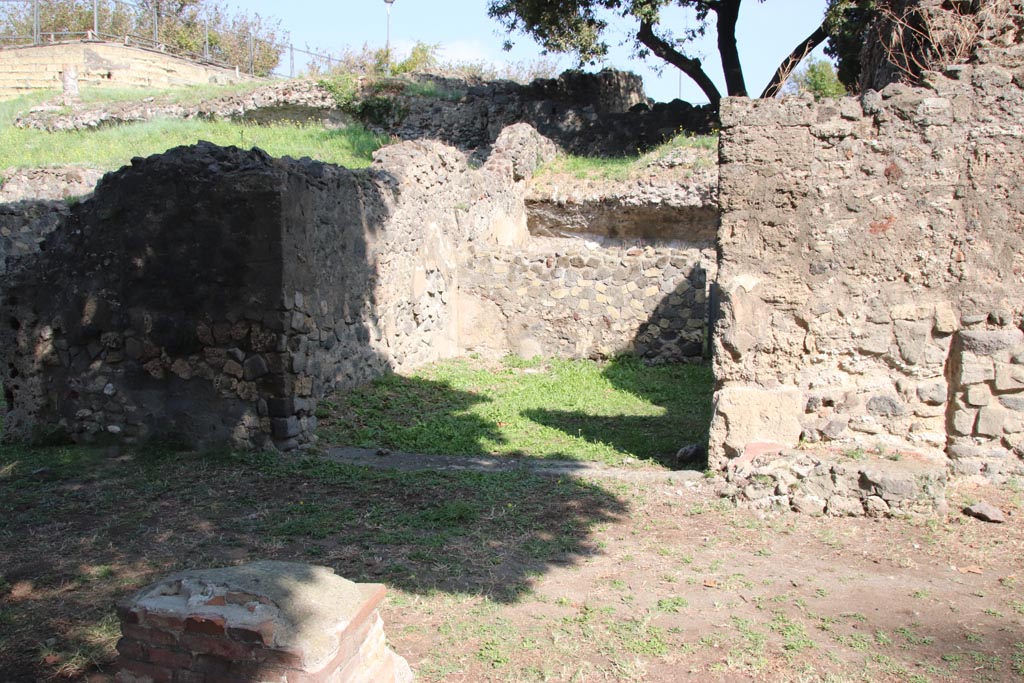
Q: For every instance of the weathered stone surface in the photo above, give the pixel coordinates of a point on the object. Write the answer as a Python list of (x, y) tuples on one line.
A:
[(991, 342), (519, 299), (885, 406), (814, 481), (308, 622), (745, 415), (986, 512), (844, 261), (233, 281)]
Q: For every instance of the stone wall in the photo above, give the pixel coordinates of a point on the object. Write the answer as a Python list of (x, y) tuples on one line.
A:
[(572, 298), (602, 114), (871, 272), (294, 101), (24, 225), (211, 295), (24, 69)]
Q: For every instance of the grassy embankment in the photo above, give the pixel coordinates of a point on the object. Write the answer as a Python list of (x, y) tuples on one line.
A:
[(111, 147)]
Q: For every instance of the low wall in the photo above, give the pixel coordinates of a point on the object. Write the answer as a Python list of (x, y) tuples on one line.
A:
[(24, 69), (871, 272), (562, 298)]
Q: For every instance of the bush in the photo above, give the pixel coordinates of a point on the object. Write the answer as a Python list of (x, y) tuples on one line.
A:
[(819, 78)]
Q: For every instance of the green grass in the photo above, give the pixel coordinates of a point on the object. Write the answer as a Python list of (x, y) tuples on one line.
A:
[(114, 146), (193, 94), (621, 168), (575, 409)]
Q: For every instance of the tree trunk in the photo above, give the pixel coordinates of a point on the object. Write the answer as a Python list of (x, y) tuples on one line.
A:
[(728, 12), (688, 65)]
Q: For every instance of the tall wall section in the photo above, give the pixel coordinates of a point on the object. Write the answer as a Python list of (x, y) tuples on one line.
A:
[(871, 271), (212, 295), (100, 65)]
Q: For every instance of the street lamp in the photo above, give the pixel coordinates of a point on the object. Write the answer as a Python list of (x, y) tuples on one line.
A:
[(387, 45)]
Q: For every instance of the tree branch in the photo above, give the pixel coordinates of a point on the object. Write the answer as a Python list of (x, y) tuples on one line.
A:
[(795, 57), (688, 65)]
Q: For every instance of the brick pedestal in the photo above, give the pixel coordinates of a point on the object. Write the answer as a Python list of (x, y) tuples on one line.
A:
[(265, 622)]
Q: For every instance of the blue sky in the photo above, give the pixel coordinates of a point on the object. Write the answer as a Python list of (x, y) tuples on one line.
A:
[(766, 33)]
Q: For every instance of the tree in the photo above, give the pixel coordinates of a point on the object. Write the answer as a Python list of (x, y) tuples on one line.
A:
[(818, 77), (182, 26), (577, 26), (847, 24)]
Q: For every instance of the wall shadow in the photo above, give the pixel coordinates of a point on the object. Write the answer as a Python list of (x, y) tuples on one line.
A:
[(678, 437), (85, 528), (682, 386)]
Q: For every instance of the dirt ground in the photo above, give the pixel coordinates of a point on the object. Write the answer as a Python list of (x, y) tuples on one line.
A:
[(682, 588), (509, 576)]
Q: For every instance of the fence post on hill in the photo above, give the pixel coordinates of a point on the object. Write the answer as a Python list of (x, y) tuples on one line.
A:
[(37, 37), (95, 17)]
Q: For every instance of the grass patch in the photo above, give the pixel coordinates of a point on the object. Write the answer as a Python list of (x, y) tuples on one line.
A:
[(574, 409), (114, 146), (622, 168), (189, 95)]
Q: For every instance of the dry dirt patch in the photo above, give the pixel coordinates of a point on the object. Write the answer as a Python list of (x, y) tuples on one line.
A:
[(510, 576)]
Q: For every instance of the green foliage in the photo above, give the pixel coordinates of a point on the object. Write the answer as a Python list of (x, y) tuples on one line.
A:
[(344, 88), (818, 77), (422, 57), (182, 26), (621, 168), (847, 23), (431, 90)]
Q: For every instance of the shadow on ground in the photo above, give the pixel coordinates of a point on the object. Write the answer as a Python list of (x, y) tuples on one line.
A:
[(684, 392), (86, 528), (637, 411)]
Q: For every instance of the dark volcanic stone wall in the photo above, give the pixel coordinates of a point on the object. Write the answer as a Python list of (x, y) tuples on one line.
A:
[(212, 295)]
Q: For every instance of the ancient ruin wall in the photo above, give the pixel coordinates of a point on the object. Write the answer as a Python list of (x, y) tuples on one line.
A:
[(212, 295), (871, 271), (572, 299)]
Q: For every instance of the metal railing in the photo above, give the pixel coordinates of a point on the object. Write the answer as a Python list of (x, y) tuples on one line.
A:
[(41, 36)]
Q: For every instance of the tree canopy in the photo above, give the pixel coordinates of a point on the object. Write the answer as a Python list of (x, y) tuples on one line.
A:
[(579, 27)]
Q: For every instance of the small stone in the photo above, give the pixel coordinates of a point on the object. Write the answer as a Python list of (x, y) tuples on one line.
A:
[(876, 506), (933, 393), (834, 429), (807, 505), (885, 406), (986, 512), (285, 427), (232, 368), (979, 395), (254, 367)]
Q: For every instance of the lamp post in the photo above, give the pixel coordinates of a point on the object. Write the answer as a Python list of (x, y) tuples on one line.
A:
[(387, 44)]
